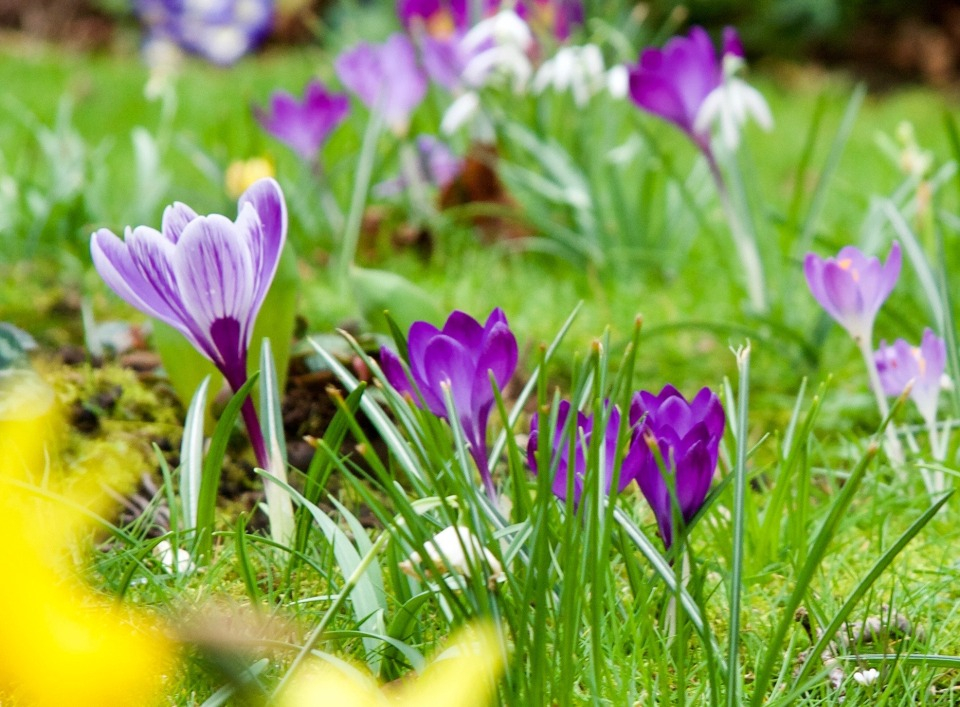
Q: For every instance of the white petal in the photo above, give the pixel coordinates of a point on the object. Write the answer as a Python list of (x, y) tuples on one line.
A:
[(459, 112), (618, 81)]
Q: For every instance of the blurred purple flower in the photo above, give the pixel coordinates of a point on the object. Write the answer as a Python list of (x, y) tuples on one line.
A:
[(583, 431), (386, 77), (221, 31), (205, 276), (304, 125), (923, 366), (460, 357), (556, 17), (852, 287), (687, 436), (675, 82), (437, 18), (437, 165)]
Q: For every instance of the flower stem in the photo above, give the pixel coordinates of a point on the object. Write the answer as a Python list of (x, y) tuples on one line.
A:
[(742, 239), (893, 446)]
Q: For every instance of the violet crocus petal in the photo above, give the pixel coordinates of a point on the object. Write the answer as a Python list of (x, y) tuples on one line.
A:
[(442, 166), (304, 125), (214, 269), (265, 227), (654, 488), (385, 77), (395, 373), (443, 60), (657, 95), (175, 219), (694, 482), (731, 43), (498, 354), (675, 413), (114, 262), (465, 329), (451, 365)]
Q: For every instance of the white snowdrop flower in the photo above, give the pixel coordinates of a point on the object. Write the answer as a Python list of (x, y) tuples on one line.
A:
[(577, 69), (618, 81), (866, 677), (503, 61), (173, 559), (497, 49), (730, 105), (504, 28), (455, 550), (459, 112)]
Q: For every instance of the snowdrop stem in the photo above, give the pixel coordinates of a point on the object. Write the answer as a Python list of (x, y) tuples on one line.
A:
[(331, 209), (893, 446), (745, 244), (412, 173)]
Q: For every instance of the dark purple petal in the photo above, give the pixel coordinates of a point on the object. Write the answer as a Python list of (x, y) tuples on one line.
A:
[(395, 374), (731, 43), (464, 329)]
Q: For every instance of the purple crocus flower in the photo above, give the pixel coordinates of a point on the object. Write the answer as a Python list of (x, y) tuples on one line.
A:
[(221, 31), (386, 77), (583, 431), (437, 18), (923, 366), (437, 166), (852, 287), (304, 125), (687, 436), (674, 82), (557, 17), (205, 276), (461, 357)]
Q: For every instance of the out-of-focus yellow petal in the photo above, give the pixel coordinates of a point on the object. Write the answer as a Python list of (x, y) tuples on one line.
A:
[(463, 675), (243, 173), (60, 642), (322, 683)]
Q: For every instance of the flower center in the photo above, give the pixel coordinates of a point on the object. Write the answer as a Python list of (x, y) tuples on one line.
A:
[(847, 264), (440, 25), (921, 361)]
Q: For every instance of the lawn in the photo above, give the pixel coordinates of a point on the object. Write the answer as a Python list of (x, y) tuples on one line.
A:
[(620, 262)]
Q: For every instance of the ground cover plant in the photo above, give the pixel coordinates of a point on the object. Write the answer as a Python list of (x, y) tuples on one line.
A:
[(517, 354)]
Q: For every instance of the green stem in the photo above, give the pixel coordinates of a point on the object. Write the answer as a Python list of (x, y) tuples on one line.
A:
[(893, 447)]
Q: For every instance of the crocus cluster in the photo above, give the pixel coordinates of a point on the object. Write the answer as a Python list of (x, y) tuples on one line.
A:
[(686, 84), (221, 31), (458, 361), (304, 125), (672, 451), (851, 288)]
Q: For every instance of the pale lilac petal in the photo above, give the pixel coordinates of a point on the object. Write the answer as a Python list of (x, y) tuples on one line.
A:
[(215, 273), (266, 230), (175, 219)]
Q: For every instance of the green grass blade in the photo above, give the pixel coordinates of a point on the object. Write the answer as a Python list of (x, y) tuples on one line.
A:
[(739, 513)]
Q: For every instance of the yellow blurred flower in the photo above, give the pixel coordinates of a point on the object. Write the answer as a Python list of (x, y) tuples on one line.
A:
[(61, 643), (463, 675), (243, 173)]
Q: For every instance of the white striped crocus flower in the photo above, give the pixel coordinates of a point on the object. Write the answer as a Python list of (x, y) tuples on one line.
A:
[(206, 276)]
